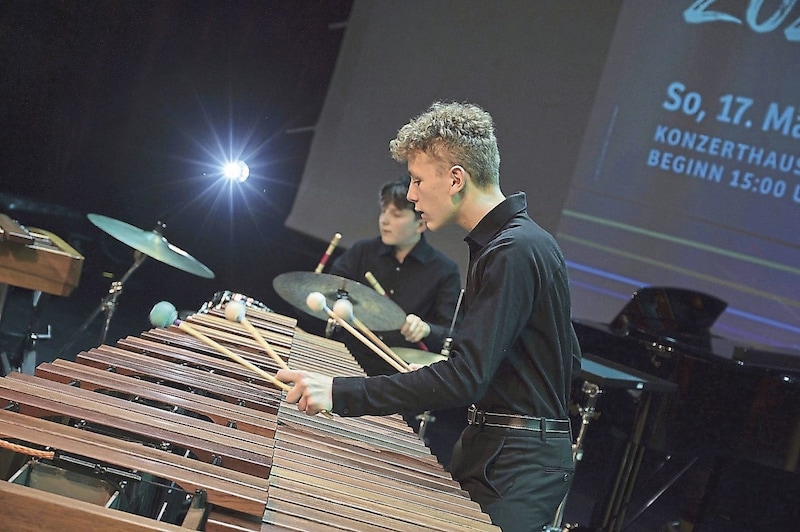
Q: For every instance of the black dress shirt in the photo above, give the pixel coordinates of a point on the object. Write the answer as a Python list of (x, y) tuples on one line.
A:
[(515, 350)]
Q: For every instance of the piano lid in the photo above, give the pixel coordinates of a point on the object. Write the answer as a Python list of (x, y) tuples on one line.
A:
[(669, 311)]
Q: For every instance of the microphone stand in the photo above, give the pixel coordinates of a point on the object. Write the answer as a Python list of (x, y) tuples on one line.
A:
[(108, 304), (592, 392)]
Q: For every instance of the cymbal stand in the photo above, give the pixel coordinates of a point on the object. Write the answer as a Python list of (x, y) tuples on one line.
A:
[(108, 304), (592, 392), (23, 357), (424, 419)]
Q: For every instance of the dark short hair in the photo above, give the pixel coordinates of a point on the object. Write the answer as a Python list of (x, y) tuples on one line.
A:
[(396, 192)]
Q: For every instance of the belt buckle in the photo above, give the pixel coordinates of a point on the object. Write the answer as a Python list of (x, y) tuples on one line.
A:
[(475, 416)]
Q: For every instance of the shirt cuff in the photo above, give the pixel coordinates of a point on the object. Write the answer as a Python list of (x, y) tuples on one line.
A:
[(349, 396)]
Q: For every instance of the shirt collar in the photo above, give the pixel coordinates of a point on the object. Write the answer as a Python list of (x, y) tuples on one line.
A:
[(495, 219), (422, 252)]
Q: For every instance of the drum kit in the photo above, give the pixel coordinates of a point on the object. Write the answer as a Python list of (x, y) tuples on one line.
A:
[(373, 310)]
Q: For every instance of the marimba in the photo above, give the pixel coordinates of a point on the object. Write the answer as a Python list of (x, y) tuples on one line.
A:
[(163, 432)]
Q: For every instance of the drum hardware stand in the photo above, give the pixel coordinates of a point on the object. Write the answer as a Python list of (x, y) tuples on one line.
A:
[(108, 304), (27, 349), (29, 353), (587, 412), (3, 296), (424, 418), (197, 514)]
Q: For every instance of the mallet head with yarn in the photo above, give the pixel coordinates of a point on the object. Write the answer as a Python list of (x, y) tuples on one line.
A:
[(163, 314), (344, 309), (235, 311), (316, 301)]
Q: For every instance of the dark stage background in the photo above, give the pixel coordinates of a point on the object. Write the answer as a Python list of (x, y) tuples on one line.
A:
[(128, 109)]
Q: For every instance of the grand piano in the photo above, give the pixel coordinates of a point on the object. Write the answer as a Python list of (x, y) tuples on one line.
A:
[(734, 403)]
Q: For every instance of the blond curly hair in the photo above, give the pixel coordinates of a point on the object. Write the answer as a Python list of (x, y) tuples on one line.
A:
[(453, 133)]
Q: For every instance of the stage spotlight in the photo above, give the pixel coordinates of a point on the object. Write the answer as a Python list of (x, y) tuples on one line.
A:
[(236, 170)]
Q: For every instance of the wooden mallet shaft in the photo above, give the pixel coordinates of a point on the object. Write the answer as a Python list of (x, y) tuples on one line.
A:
[(233, 356)]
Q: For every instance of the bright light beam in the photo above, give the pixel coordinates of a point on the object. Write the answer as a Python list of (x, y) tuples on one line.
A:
[(236, 171)]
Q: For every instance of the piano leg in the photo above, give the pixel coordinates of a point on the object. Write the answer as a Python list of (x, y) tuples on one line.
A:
[(618, 499)]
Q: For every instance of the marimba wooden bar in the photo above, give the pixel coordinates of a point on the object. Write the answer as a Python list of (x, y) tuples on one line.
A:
[(210, 445)]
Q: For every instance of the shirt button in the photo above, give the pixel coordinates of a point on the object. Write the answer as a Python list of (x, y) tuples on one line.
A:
[(346, 411), (397, 268), (566, 477), (391, 291)]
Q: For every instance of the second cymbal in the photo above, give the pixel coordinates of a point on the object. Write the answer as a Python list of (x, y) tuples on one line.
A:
[(375, 311), (418, 356)]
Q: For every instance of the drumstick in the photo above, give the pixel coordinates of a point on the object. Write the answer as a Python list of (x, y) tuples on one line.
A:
[(373, 282), (316, 302), (344, 309), (378, 288), (236, 311), (328, 252)]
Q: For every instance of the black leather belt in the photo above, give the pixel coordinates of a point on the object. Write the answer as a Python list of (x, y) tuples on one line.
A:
[(515, 421)]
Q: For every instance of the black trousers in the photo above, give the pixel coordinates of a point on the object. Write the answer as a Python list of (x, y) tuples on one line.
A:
[(443, 432), (516, 476)]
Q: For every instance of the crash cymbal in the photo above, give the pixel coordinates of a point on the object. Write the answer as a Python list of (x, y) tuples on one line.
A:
[(376, 312), (151, 243), (417, 356)]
